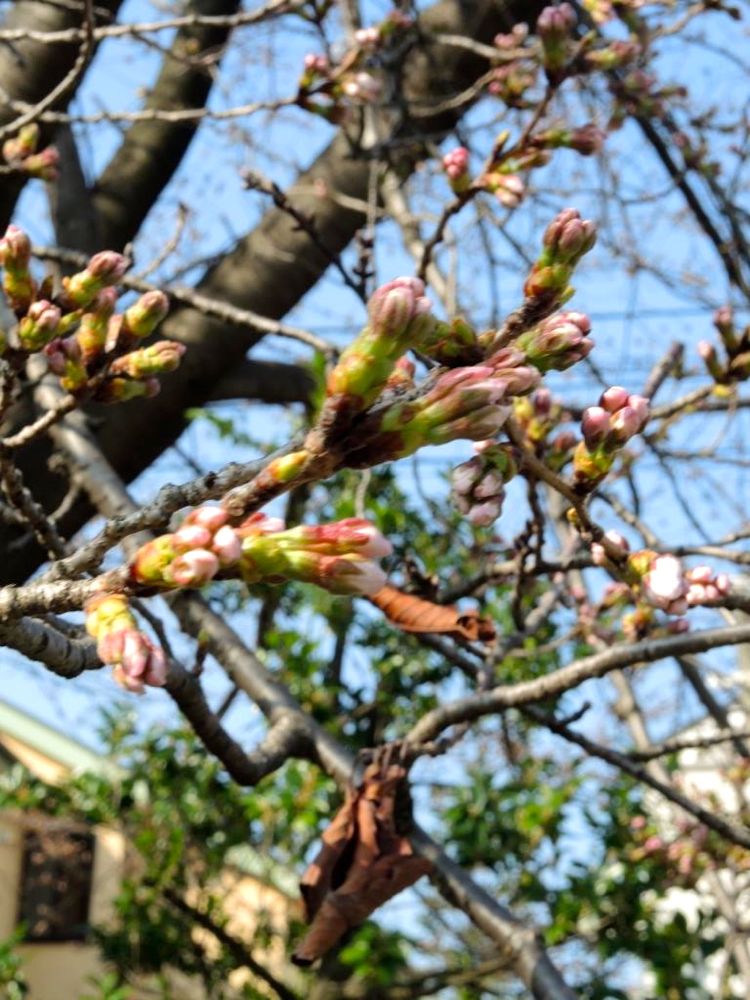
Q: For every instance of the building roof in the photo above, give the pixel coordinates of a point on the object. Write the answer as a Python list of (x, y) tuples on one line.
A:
[(22, 728)]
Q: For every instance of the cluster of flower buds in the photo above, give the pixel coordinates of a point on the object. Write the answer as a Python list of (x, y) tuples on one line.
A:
[(511, 84), (78, 328), (399, 318), (736, 366), (466, 403), (191, 556), (21, 154), (585, 139), (566, 239), (452, 344), (136, 660), (616, 55), (686, 851), (328, 90), (538, 416), (557, 342), (606, 429), (339, 557), (373, 38), (479, 484), (554, 28), (456, 167), (508, 188)]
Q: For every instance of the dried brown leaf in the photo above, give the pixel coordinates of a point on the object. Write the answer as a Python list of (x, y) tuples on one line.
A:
[(414, 614)]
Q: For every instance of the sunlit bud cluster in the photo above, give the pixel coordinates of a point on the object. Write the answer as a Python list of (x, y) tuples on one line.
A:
[(39, 326), (704, 586), (606, 428), (141, 319), (339, 557), (158, 359), (456, 167), (399, 318), (469, 403), (735, 365), (479, 484), (567, 238), (507, 188), (664, 585), (136, 660), (191, 556), (64, 358), (554, 27), (15, 257), (21, 153), (103, 270), (558, 342)]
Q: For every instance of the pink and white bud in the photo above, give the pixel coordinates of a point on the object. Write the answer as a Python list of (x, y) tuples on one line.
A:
[(595, 426), (194, 568), (456, 163), (363, 87), (664, 585), (15, 247), (614, 398), (349, 575), (192, 536), (209, 517), (395, 305), (227, 545), (260, 524)]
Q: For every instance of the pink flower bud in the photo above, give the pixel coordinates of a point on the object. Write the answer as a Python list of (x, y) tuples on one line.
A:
[(227, 545), (192, 536), (652, 844), (342, 575), (664, 585), (39, 325), (15, 248), (260, 524), (208, 516), (568, 237), (456, 163), (595, 426), (108, 266), (614, 398), (363, 87), (699, 574), (194, 568), (397, 304)]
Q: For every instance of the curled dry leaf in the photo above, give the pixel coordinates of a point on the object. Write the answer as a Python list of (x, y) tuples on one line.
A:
[(363, 862), (414, 614)]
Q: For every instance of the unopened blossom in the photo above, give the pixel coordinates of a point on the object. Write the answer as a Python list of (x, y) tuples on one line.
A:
[(135, 659), (64, 359), (399, 316), (606, 428), (157, 359), (103, 270), (554, 27), (558, 342), (123, 390), (479, 484), (456, 167), (23, 144), (711, 360), (616, 55), (704, 587), (141, 319), (566, 239), (193, 568), (509, 189), (664, 585), (724, 323), (338, 557), (44, 165), (15, 256), (39, 326)]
